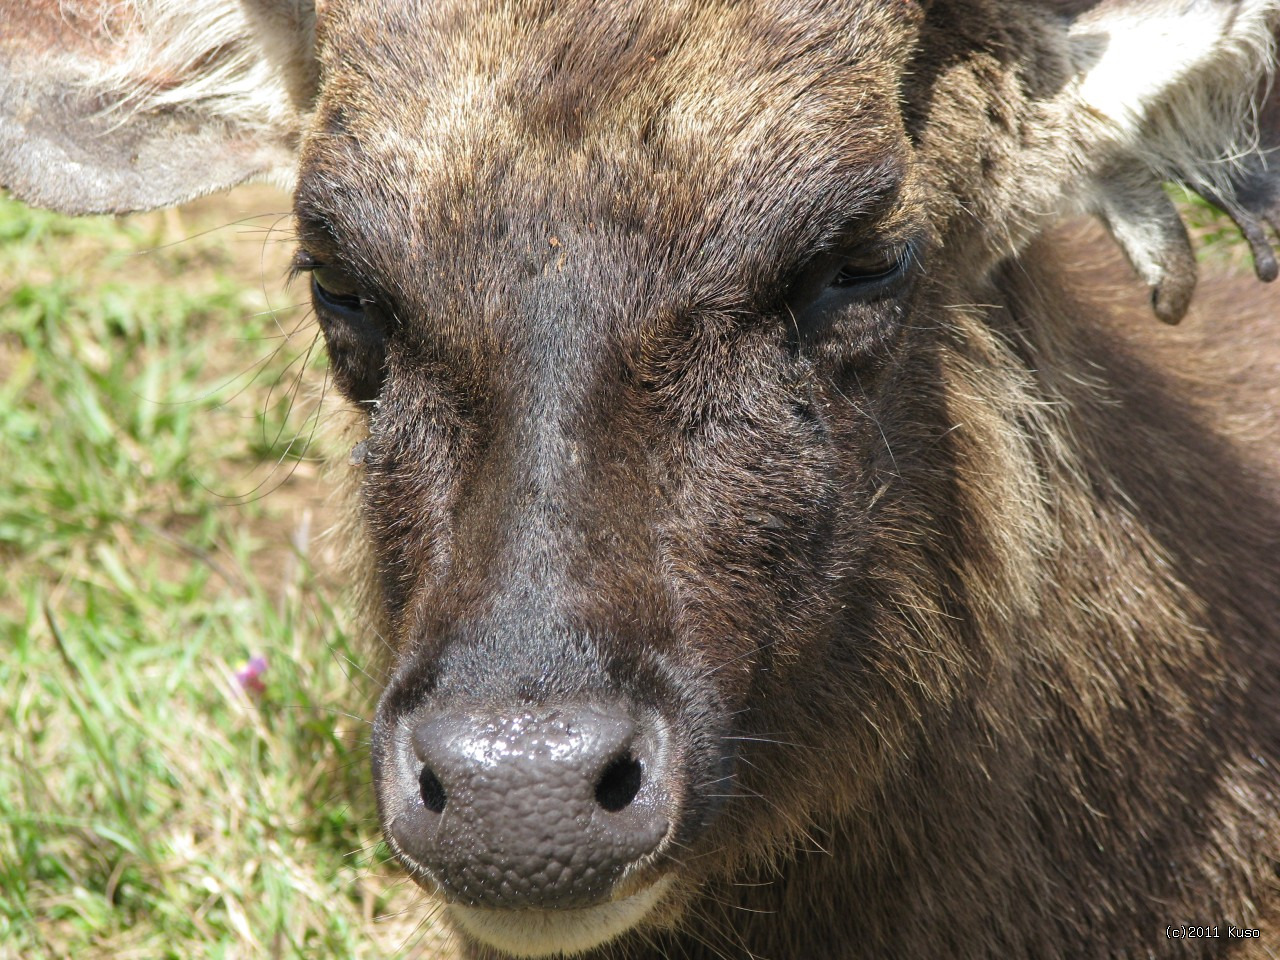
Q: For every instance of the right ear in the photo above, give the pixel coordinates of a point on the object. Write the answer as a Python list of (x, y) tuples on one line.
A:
[(111, 106)]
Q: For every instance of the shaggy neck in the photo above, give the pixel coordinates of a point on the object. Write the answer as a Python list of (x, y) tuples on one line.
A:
[(1101, 729)]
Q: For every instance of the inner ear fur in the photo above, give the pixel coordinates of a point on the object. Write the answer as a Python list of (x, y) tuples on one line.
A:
[(1169, 91), (1031, 111), (112, 106)]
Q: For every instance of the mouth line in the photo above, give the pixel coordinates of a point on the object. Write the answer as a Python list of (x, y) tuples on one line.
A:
[(543, 933)]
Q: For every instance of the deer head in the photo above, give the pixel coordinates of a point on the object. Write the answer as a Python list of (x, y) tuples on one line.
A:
[(650, 309)]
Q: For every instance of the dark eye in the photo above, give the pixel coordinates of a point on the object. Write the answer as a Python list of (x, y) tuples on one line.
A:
[(336, 291), (839, 289), (870, 274), (353, 327), (836, 281), (333, 288)]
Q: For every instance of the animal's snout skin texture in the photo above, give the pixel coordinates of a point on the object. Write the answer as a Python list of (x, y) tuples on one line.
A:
[(529, 809), (545, 828)]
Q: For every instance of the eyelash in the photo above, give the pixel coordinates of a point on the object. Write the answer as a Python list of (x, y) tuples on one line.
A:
[(350, 304), (339, 303), (846, 277)]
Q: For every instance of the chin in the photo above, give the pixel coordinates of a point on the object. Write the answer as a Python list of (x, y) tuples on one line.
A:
[(553, 933)]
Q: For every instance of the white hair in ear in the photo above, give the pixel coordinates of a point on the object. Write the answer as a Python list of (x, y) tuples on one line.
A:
[(1176, 80), (242, 60), (1169, 90), (121, 105)]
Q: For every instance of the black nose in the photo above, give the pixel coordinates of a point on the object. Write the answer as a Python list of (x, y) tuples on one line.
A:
[(531, 809)]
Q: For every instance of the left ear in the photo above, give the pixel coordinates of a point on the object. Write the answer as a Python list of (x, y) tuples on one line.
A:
[(1170, 90), (1119, 97)]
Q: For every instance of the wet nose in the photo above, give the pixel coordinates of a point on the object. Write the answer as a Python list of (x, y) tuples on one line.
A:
[(522, 809)]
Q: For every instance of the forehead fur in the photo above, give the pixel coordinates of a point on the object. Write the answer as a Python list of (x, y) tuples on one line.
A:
[(693, 118)]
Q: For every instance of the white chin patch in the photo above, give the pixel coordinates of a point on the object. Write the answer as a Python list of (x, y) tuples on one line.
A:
[(551, 933)]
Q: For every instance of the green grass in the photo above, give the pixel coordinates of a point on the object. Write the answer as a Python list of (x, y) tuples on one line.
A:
[(159, 521)]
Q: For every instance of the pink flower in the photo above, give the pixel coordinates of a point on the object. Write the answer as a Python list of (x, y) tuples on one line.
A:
[(250, 674)]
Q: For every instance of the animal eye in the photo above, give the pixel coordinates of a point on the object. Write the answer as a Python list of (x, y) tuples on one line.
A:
[(869, 273), (845, 278), (354, 331), (332, 287), (336, 290), (837, 283)]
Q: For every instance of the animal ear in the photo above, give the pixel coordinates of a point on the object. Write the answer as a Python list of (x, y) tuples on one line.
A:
[(111, 106), (1174, 90)]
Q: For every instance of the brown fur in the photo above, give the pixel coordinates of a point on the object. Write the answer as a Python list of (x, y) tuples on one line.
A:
[(964, 606)]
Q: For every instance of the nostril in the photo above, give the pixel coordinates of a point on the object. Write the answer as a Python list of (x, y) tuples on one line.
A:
[(432, 790), (619, 783), (529, 807)]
